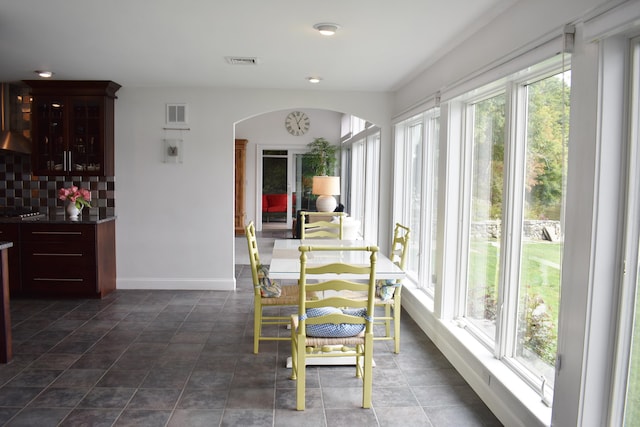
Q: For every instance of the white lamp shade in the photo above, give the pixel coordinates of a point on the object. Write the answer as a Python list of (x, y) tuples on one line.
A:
[(326, 185)]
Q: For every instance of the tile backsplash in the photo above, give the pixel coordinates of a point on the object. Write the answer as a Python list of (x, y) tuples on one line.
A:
[(19, 188)]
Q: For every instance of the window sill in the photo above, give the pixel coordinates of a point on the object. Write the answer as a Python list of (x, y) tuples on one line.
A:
[(504, 392)]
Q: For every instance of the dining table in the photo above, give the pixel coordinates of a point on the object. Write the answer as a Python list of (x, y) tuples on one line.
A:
[(285, 261), (285, 265)]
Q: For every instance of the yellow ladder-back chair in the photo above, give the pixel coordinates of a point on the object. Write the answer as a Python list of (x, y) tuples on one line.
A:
[(288, 297), (335, 325), (322, 228), (392, 306)]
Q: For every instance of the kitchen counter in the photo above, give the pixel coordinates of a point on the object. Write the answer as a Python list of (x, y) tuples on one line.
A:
[(61, 219)]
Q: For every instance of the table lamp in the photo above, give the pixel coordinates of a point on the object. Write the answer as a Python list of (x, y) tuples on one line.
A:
[(325, 187)]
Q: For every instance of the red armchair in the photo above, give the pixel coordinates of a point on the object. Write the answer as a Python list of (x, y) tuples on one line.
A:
[(275, 204)]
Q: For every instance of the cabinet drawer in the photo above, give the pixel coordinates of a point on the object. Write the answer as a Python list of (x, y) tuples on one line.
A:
[(56, 268), (69, 234), (52, 264), (49, 286), (58, 247)]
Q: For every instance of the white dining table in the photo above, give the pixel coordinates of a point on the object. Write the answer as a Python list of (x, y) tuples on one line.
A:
[(285, 261), (285, 264)]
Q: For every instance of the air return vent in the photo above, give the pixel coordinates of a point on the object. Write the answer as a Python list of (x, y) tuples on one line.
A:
[(176, 114), (241, 60)]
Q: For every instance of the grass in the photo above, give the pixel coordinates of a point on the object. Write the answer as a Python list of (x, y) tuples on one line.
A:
[(539, 279)]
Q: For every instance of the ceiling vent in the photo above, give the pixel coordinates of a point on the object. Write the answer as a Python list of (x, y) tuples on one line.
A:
[(241, 60)]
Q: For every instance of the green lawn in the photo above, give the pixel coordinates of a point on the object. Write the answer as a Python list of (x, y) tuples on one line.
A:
[(541, 272), (539, 282)]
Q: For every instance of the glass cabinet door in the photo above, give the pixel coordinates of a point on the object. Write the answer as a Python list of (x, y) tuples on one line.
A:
[(51, 143), (72, 127), (85, 143)]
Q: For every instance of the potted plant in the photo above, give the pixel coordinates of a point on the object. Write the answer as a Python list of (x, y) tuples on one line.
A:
[(321, 160), (321, 157)]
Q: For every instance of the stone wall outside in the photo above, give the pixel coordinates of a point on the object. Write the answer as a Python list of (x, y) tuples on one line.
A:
[(533, 229)]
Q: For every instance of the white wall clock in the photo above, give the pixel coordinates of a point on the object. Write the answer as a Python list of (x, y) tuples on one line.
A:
[(297, 123)]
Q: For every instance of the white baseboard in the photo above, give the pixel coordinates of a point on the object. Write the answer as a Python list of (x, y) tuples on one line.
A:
[(151, 283)]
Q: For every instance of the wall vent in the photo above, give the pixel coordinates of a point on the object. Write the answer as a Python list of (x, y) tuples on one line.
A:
[(176, 114), (241, 60)]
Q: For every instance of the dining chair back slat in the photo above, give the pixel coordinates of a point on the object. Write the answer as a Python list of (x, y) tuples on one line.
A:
[(316, 225)]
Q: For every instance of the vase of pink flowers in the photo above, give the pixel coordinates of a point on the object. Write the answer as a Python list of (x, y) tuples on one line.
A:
[(76, 198)]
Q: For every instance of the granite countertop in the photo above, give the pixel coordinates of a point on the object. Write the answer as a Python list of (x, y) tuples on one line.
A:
[(61, 219), (5, 245)]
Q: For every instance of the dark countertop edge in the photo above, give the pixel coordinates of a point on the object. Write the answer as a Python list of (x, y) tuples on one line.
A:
[(5, 245), (61, 219)]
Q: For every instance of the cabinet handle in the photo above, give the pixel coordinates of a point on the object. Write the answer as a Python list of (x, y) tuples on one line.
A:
[(64, 233), (47, 279), (64, 160), (69, 163), (54, 254)]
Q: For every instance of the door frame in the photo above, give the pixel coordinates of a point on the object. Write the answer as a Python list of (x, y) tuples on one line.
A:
[(291, 179)]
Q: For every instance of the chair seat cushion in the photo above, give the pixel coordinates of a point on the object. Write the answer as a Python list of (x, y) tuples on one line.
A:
[(268, 288), (332, 330), (386, 288), (288, 296)]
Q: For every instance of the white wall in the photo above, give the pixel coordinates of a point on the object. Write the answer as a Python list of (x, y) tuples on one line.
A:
[(267, 130), (521, 26), (175, 221)]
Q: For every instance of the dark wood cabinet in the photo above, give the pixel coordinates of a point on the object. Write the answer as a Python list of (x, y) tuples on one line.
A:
[(241, 160), (11, 233), (68, 259), (72, 127)]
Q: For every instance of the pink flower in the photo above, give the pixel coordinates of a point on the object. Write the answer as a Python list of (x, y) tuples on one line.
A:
[(86, 194), (80, 196)]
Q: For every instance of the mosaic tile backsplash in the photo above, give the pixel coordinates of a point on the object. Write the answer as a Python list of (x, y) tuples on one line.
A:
[(19, 188)]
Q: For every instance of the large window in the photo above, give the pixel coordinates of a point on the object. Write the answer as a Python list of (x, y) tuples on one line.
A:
[(517, 150), (361, 170), (632, 284), (415, 193), (541, 229), (487, 123)]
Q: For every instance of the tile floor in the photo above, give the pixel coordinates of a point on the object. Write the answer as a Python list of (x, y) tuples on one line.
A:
[(184, 358)]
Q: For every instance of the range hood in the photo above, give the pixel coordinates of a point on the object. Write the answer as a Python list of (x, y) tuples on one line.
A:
[(10, 140)]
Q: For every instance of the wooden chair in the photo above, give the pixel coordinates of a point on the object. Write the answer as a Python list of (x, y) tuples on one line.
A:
[(335, 325), (392, 306), (322, 227), (288, 297)]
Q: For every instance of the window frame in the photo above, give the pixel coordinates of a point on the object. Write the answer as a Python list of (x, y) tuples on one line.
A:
[(631, 245), (426, 268), (502, 345), (361, 178)]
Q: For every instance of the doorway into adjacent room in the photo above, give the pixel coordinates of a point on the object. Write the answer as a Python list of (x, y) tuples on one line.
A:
[(286, 187)]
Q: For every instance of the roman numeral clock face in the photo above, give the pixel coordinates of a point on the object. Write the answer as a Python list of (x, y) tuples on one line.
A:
[(297, 123)]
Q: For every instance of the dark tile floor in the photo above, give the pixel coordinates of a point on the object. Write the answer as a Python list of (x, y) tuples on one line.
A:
[(184, 358)]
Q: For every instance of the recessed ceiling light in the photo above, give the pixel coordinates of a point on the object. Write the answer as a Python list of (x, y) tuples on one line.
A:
[(314, 79), (327, 29), (45, 74)]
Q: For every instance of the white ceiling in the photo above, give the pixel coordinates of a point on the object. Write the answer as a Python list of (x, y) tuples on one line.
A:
[(381, 44)]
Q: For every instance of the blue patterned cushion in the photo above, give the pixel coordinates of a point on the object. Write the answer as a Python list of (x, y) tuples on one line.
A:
[(331, 330), (268, 288), (386, 288)]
